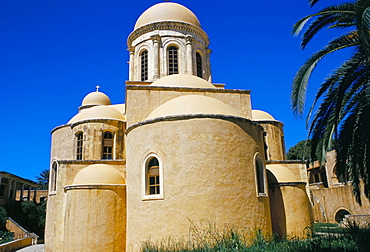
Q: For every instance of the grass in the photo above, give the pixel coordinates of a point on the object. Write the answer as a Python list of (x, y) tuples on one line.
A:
[(350, 239)]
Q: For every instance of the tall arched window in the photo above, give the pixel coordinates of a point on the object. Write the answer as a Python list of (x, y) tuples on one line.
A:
[(199, 65), (173, 60), (79, 144), (260, 175), (152, 179), (144, 65), (107, 145), (53, 177), (153, 176)]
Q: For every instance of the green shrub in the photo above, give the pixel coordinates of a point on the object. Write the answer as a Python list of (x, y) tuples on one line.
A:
[(3, 218), (6, 236)]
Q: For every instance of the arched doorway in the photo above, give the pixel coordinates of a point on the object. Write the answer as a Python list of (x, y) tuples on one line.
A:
[(341, 214)]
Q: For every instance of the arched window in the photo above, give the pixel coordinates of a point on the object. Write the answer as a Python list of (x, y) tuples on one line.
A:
[(79, 144), (199, 65), (107, 145), (153, 176), (144, 65), (53, 177), (152, 179), (173, 60), (260, 176)]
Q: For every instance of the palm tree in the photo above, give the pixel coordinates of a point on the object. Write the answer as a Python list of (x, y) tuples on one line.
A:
[(43, 179), (343, 114)]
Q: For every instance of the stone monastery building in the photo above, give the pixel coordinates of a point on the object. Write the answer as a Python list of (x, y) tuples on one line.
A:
[(181, 150)]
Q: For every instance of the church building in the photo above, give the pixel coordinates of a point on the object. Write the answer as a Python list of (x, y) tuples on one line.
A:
[(182, 150)]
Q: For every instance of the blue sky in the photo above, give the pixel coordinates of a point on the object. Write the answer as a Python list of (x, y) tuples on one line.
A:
[(53, 53)]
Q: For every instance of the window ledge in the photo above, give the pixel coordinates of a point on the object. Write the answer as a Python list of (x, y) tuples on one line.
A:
[(153, 197)]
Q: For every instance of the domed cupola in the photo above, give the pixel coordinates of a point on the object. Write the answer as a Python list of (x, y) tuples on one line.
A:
[(95, 99), (168, 39)]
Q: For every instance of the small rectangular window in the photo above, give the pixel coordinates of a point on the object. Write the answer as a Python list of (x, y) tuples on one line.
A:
[(79, 145), (199, 65), (144, 65), (173, 65), (107, 146)]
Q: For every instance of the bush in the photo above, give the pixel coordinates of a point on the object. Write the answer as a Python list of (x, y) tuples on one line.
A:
[(6, 236), (3, 218)]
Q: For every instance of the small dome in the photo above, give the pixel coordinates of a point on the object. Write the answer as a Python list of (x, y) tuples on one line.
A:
[(282, 173), (182, 80), (96, 98), (192, 105), (259, 115), (98, 174), (98, 112), (167, 11)]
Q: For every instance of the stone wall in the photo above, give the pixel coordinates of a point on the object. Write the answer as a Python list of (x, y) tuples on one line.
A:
[(327, 202)]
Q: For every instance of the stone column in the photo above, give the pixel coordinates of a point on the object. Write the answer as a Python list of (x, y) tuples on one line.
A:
[(131, 63), (21, 194), (208, 64), (34, 194), (189, 54), (10, 183), (156, 40), (29, 193), (14, 190)]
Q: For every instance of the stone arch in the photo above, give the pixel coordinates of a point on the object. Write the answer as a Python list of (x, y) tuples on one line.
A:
[(341, 213)]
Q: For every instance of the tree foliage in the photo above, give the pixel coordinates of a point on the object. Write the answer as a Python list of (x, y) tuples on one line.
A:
[(343, 114), (33, 216), (300, 151)]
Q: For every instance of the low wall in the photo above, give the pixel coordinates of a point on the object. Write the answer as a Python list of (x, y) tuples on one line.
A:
[(362, 220), (19, 231), (17, 244)]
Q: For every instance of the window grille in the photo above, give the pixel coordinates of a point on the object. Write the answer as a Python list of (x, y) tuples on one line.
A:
[(173, 62), (144, 65)]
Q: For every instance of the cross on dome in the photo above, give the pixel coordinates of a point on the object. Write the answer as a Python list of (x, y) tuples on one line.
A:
[(97, 88)]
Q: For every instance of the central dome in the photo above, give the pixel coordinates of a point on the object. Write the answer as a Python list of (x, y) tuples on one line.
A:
[(167, 11)]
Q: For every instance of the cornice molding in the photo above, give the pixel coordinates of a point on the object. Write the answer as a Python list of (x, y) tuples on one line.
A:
[(167, 25)]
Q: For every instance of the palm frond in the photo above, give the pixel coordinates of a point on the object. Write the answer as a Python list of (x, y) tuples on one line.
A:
[(300, 81), (345, 71), (364, 29), (335, 11)]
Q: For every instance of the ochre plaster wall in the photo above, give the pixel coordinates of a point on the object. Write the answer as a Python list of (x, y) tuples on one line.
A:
[(328, 201), (57, 201), (291, 212), (62, 144), (105, 211), (297, 210), (275, 140), (209, 176), (141, 100)]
